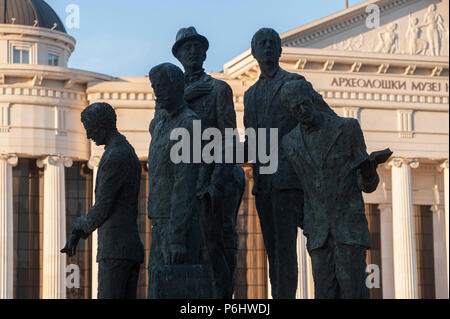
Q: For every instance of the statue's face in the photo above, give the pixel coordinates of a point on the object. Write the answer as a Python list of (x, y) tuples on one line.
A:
[(192, 54), (95, 132), (167, 94), (302, 110), (266, 49)]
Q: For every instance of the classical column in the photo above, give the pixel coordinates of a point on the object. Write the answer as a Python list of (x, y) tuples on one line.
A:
[(93, 164), (439, 252), (54, 228), (405, 266), (387, 256), (6, 226), (444, 166), (304, 284)]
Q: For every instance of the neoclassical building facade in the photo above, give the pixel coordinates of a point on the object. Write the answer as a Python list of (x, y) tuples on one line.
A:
[(393, 78)]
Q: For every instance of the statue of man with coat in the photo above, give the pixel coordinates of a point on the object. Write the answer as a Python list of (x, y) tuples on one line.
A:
[(220, 185), (329, 156), (120, 250), (278, 196)]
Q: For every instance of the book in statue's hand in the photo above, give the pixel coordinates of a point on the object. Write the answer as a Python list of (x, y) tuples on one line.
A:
[(379, 157)]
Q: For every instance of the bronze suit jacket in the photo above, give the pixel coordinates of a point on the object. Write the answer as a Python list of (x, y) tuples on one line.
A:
[(215, 109), (270, 113), (332, 187), (116, 204)]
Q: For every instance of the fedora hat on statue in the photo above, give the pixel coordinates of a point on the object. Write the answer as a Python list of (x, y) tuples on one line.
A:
[(186, 34)]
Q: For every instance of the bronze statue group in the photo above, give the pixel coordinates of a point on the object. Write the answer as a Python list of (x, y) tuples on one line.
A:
[(323, 168)]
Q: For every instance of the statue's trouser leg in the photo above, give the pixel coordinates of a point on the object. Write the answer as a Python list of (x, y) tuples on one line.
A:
[(264, 208), (279, 213), (211, 220), (323, 267), (339, 271), (117, 279), (234, 191), (351, 271), (159, 254)]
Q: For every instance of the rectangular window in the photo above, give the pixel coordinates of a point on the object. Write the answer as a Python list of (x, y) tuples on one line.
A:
[(27, 229), (21, 56), (423, 222), (145, 233), (53, 60), (78, 182), (374, 253)]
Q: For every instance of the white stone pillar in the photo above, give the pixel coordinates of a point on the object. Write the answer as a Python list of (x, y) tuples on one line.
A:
[(439, 252), (404, 246), (304, 284), (93, 164), (6, 226), (54, 228), (444, 166), (387, 256)]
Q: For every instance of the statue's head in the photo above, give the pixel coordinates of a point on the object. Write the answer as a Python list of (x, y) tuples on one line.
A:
[(296, 97), (99, 121), (190, 48), (266, 46), (168, 85)]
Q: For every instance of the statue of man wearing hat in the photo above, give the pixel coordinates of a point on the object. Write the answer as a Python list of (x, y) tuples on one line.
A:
[(220, 186)]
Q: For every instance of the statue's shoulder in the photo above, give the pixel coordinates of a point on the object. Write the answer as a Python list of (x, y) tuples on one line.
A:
[(289, 76), (349, 122), (219, 84)]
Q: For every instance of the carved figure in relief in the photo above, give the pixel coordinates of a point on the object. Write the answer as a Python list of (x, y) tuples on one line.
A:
[(436, 29), (415, 44), (387, 40)]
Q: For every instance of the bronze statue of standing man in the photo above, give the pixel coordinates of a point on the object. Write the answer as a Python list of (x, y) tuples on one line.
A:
[(120, 250), (279, 196), (220, 186)]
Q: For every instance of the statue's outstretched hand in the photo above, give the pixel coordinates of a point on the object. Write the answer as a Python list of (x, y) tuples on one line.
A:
[(71, 245)]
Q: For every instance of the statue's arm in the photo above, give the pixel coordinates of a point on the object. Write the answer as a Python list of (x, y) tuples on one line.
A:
[(226, 118), (114, 175), (248, 123), (367, 175)]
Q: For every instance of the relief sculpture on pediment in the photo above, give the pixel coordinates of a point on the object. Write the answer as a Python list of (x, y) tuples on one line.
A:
[(416, 45), (425, 32), (435, 30), (387, 40)]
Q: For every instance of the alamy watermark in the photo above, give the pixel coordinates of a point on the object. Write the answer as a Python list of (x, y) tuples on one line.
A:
[(257, 147), (373, 277), (373, 16), (73, 276), (73, 16)]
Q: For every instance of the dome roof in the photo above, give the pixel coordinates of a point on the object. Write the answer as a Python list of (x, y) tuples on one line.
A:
[(30, 12)]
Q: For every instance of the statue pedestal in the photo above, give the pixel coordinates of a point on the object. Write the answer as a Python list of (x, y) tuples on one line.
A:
[(179, 282)]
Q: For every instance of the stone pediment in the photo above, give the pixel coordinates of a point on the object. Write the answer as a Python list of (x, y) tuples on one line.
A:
[(408, 27)]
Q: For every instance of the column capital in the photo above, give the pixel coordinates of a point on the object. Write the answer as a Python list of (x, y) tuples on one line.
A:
[(385, 207), (437, 208), (54, 160), (93, 162), (444, 165), (11, 159), (399, 161)]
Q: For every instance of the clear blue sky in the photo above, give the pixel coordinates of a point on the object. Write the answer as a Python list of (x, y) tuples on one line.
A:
[(127, 38)]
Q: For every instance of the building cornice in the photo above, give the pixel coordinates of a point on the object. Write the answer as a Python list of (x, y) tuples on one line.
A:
[(23, 30), (245, 67)]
